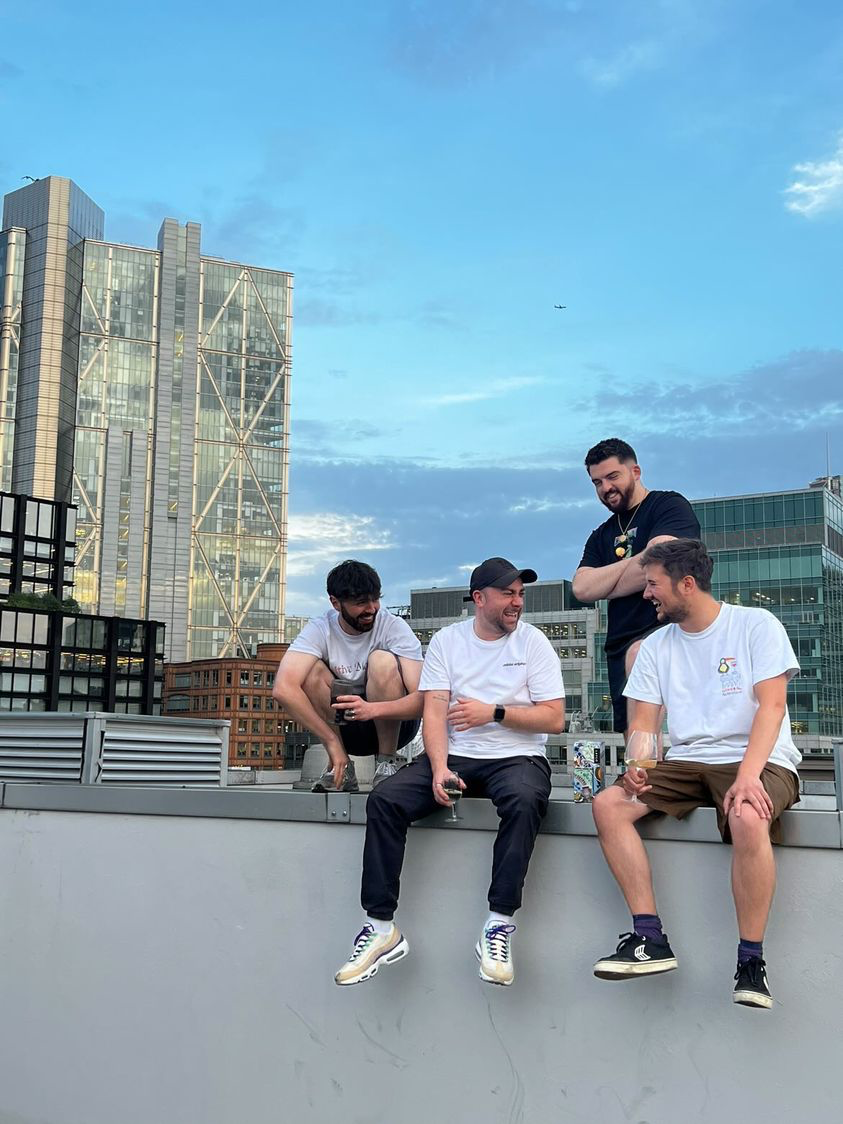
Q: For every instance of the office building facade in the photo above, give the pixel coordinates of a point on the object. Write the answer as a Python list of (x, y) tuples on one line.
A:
[(783, 551), (150, 387)]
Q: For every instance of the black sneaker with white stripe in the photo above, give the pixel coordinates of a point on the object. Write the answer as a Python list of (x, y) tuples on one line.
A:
[(636, 956), (751, 988)]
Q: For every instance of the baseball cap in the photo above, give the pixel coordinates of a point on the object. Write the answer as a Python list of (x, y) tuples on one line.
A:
[(497, 572)]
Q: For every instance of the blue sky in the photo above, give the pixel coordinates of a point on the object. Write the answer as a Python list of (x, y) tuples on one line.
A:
[(437, 176)]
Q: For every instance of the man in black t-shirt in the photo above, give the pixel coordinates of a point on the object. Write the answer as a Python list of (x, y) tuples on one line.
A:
[(610, 566)]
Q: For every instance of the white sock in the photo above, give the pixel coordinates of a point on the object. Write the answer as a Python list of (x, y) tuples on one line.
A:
[(381, 927), (497, 919)]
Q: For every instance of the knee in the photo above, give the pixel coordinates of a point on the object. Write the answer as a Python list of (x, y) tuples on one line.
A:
[(382, 669), (524, 803), (749, 831), (604, 807)]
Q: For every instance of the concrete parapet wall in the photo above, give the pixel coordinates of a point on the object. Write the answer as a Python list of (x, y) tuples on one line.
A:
[(177, 969)]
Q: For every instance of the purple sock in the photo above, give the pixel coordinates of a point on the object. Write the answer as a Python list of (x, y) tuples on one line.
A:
[(648, 925), (749, 950)]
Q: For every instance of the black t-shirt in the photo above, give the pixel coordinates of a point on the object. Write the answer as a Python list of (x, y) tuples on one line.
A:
[(660, 513)]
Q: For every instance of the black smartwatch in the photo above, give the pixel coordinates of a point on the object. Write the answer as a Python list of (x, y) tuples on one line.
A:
[(500, 713)]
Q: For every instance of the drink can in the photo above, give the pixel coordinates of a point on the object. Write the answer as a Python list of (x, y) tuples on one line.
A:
[(587, 764)]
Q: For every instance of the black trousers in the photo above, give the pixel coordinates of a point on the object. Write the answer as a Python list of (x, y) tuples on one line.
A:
[(519, 787)]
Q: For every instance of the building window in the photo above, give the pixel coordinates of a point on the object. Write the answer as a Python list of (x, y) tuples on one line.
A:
[(256, 702), (227, 702)]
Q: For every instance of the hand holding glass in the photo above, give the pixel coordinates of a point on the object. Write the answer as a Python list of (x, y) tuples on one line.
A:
[(643, 751), (451, 788)]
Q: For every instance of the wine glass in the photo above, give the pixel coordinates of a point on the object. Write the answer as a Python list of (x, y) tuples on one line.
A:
[(643, 751), (451, 788)]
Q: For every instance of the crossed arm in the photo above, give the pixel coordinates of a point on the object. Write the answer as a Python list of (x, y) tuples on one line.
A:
[(617, 579)]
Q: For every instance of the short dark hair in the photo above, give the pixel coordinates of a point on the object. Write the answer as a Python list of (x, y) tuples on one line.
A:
[(352, 579), (611, 447), (682, 558)]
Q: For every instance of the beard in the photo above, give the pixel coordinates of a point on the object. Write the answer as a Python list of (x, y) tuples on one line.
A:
[(626, 495), (674, 615), (355, 622)]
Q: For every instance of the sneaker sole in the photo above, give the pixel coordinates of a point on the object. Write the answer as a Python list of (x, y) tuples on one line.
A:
[(482, 974), (391, 957), (321, 788), (610, 970), (753, 999)]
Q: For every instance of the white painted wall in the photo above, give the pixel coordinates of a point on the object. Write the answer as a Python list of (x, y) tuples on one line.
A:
[(165, 970)]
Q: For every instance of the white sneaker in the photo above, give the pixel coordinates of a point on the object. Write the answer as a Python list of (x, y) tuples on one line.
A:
[(371, 950), (494, 951)]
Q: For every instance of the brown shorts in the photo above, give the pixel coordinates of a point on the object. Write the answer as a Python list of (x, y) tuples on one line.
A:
[(681, 786)]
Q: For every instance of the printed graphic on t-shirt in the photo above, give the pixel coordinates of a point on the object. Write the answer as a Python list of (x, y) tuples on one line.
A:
[(623, 543), (350, 671), (730, 678)]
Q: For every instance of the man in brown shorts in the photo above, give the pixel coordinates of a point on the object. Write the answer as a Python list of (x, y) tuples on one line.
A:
[(722, 672)]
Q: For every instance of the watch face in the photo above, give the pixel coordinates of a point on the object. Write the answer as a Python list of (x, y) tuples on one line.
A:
[(500, 713)]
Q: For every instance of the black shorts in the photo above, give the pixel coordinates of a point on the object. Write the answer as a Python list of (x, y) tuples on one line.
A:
[(360, 739)]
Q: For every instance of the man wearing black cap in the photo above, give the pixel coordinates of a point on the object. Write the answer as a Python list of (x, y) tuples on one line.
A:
[(493, 691)]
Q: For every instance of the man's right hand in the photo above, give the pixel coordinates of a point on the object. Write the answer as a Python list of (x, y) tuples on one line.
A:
[(339, 762), (635, 781), (439, 778)]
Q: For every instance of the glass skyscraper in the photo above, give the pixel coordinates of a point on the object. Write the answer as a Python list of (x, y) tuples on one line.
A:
[(783, 551), (151, 389)]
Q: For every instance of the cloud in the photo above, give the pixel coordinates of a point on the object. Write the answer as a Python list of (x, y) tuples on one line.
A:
[(454, 44), (761, 430), (819, 187), (323, 313), (497, 388), (314, 438), (318, 541), (630, 60), (762, 399)]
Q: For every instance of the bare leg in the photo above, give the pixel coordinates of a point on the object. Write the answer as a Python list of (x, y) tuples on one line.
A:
[(317, 687), (615, 817), (753, 872), (384, 684)]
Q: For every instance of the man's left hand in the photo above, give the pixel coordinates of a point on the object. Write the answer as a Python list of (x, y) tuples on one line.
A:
[(465, 714), (748, 790), (356, 709)]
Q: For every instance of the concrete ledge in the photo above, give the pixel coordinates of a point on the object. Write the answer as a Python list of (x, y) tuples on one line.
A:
[(801, 828)]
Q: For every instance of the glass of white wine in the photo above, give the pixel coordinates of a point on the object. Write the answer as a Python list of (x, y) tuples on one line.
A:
[(451, 788), (643, 751)]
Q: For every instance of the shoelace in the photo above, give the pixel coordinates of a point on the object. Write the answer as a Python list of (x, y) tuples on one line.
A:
[(497, 941), (625, 937), (362, 941), (754, 969)]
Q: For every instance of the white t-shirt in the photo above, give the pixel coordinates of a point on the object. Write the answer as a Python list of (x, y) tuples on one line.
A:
[(348, 656), (706, 680), (517, 670)]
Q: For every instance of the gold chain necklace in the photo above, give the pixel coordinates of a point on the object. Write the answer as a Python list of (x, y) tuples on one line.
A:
[(624, 547)]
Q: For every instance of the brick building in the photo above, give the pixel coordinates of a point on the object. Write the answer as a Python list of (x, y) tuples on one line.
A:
[(238, 689)]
